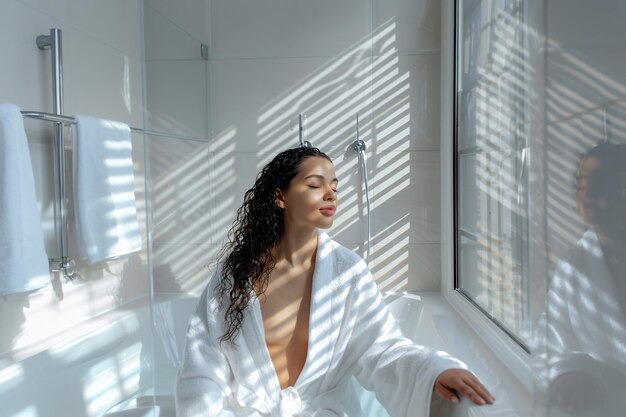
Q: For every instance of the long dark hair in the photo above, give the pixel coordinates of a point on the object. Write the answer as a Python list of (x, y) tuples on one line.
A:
[(257, 229), (607, 183)]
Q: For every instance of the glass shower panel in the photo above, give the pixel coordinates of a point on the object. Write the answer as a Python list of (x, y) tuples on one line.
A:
[(178, 189)]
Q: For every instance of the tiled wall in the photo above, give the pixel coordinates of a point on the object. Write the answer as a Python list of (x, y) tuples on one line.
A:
[(102, 77), (270, 61)]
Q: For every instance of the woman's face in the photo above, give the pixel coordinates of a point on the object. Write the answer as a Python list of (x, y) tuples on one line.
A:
[(599, 195), (311, 198)]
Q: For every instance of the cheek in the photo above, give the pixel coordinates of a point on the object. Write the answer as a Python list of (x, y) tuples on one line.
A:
[(303, 201)]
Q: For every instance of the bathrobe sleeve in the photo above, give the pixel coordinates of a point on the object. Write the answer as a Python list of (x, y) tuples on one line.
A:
[(401, 373), (202, 384)]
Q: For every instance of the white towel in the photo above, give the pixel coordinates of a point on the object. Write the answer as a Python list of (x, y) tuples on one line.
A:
[(104, 189), (23, 259)]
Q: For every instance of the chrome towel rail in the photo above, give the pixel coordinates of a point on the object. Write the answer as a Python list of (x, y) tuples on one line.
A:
[(64, 263), (69, 120)]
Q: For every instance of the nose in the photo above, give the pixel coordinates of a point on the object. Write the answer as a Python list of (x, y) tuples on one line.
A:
[(330, 194)]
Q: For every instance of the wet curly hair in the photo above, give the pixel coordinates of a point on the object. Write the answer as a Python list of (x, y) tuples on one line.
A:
[(258, 227)]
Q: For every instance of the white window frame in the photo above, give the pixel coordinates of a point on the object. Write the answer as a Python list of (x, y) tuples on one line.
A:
[(509, 352)]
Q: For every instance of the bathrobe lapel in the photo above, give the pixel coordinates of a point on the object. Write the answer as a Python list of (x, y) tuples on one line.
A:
[(258, 383), (323, 332), (259, 387)]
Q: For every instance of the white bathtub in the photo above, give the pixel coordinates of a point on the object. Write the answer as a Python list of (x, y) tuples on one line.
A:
[(127, 366)]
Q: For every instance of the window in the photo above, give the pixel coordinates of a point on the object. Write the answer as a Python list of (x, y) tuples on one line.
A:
[(491, 178)]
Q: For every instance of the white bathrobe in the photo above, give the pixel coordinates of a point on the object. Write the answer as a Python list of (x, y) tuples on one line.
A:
[(352, 333), (583, 333), (586, 306)]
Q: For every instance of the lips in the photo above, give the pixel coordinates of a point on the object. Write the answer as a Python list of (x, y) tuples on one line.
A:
[(328, 210)]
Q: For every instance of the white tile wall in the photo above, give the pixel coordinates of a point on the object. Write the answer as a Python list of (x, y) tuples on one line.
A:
[(101, 81), (406, 192), (182, 267), (272, 60), (405, 93), (415, 26), (285, 29), (179, 171), (112, 22), (177, 97), (166, 40), (192, 15), (399, 266), (24, 77), (262, 98)]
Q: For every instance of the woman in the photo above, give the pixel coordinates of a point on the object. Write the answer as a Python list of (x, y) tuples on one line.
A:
[(584, 324), (290, 316)]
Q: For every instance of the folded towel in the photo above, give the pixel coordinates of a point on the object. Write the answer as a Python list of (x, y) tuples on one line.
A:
[(104, 193), (23, 259)]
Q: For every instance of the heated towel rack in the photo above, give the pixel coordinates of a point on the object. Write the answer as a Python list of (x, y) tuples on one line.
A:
[(64, 264)]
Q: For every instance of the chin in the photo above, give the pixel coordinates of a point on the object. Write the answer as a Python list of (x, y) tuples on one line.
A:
[(325, 225)]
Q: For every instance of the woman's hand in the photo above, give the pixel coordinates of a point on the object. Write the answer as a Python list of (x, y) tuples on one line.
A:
[(452, 382)]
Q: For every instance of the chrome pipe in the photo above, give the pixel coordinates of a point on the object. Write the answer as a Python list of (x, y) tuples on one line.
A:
[(54, 42), (359, 147), (302, 131)]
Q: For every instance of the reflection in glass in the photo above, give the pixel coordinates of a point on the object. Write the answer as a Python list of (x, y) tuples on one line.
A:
[(583, 367)]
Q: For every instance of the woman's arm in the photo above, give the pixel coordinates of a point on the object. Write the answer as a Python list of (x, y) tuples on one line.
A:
[(403, 375)]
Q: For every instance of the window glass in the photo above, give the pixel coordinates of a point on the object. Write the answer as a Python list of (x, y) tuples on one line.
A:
[(491, 160)]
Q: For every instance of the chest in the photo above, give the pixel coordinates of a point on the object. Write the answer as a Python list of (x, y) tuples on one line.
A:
[(285, 308), (285, 305)]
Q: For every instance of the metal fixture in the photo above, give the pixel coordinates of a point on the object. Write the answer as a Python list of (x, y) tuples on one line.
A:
[(69, 120), (63, 263), (359, 147), (302, 131)]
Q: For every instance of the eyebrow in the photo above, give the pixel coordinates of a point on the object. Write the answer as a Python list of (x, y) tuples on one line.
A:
[(320, 177)]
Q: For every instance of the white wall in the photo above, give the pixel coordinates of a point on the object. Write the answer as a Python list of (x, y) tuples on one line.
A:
[(270, 61), (102, 77)]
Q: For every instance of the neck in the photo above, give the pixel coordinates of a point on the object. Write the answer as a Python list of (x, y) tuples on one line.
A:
[(297, 247)]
